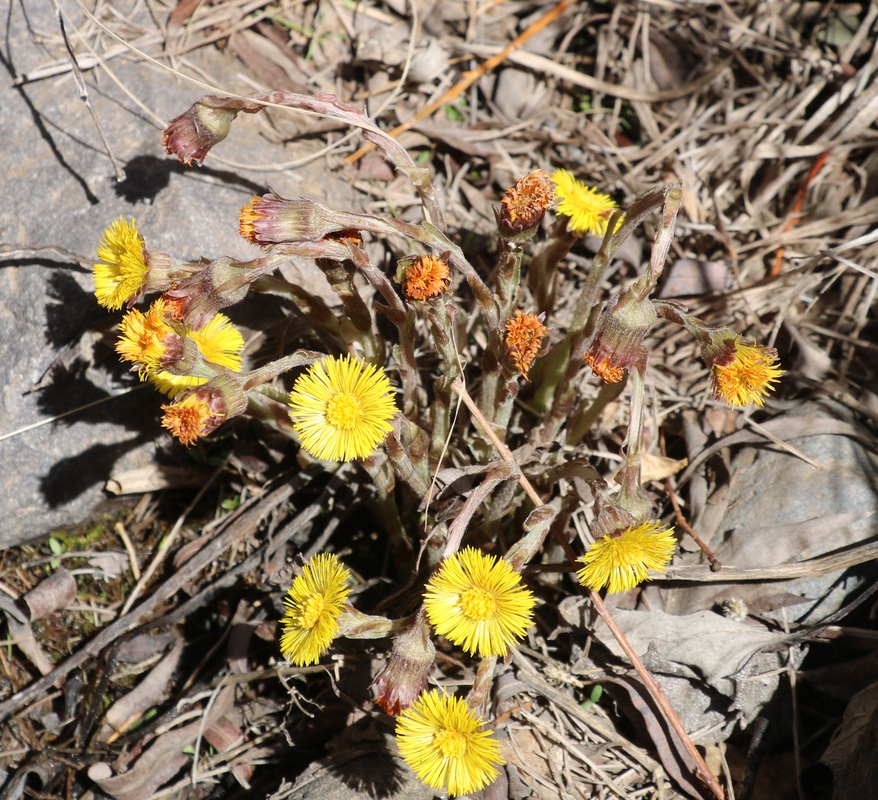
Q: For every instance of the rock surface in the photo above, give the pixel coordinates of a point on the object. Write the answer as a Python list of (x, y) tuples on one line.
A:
[(59, 194)]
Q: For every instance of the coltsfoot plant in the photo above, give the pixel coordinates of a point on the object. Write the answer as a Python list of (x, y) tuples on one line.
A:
[(386, 396)]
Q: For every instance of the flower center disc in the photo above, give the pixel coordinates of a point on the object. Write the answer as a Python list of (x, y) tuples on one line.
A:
[(344, 411), (450, 743), (476, 603), (311, 611)]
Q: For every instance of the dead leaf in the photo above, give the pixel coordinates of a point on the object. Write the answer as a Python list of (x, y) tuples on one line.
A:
[(657, 468), (130, 708)]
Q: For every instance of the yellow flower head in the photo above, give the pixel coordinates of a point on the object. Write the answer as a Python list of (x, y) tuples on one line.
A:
[(427, 277), (478, 603), (444, 743), (189, 418), (145, 338), (744, 373), (122, 269), (587, 210), (342, 408), (314, 604), (620, 560), (219, 341), (524, 338)]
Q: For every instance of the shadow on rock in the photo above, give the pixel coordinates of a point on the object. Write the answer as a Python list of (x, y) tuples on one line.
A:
[(147, 175)]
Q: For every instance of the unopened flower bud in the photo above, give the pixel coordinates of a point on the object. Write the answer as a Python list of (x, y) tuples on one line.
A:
[(191, 135), (216, 286), (272, 219), (405, 675)]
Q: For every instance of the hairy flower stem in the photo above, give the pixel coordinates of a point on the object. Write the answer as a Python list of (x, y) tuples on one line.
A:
[(268, 372), (654, 689), (565, 358), (480, 694), (442, 331), (508, 276), (631, 496), (356, 324), (386, 508), (310, 307), (404, 320), (542, 272)]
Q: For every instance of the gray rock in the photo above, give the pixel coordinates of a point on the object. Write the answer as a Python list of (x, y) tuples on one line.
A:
[(59, 191), (783, 508)]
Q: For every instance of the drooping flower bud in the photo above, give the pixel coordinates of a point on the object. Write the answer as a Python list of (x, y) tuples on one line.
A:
[(200, 411), (404, 676), (617, 343), (272, 219), (216, 286), (191, 135), (741, 372)]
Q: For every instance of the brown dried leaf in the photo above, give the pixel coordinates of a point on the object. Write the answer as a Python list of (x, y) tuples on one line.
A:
[(50, 595), (163, 759), (130, 708)]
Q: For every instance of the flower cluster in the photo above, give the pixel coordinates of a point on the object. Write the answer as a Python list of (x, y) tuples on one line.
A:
[(418, 383)]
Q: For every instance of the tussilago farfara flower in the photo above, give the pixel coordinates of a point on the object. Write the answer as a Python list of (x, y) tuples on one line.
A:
[(478, 602), (342, 408), (524, 338), (586, 209), (314, 604), (524, 205), (189, 418), (620, 559), (219, 342), (191, 135), (426, 277), (122, 270), (742, 373), (446, 746), (144, 339), (200, 411)]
